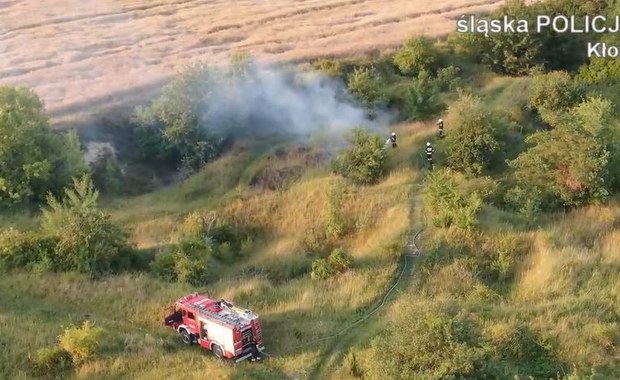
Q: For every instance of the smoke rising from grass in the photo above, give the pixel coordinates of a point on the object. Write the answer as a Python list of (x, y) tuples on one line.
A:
[(283, 100)]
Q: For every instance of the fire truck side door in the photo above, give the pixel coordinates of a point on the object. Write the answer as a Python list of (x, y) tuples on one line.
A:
[(190, 321)]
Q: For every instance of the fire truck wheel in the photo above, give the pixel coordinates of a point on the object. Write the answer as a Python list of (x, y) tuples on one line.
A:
[(217, 351), (185, 337)]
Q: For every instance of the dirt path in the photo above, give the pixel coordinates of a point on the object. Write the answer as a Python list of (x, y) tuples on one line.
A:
[(82, 55), (370, 325)]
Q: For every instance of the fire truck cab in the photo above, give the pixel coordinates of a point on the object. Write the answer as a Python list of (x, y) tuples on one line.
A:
[(228, 331)]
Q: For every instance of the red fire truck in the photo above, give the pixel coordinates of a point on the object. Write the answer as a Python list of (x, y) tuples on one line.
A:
[(228, 331)]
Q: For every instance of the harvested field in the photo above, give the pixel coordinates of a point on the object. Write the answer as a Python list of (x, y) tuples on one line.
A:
[(83, 55)]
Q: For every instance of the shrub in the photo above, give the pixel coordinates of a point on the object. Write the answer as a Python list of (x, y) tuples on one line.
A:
[(424, 345), (24, 249), (51, 362), (336, 223), (330, 67), (81, 342), (107, 175), (447, 204), (336, 263), (415, 55), (365, 85), (163, 266), (553, 93), (422, 99), (364, 162), (87, 241), (472, 143), (197, 225), (193, 261), (448, 78), (321, 270)]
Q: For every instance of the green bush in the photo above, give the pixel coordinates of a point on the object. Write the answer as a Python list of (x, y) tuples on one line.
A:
[(193, 261), (417, 54), (364, 84), (566, 163), (336, 263), (321, 270), (330, 67), (33, 159), (163, 266), (448, 78), (447, 204), (24, 249), (87, 240), (81, 342), (422, 98), (471, 144), (553, 93), (51, 363), (107, 175), (424, 345), (364, 162), (336, 223)]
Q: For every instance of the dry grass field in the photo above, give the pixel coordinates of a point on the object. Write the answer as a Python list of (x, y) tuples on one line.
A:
[(82, 55)]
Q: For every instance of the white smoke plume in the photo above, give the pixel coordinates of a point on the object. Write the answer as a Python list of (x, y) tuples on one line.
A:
[(279, 99)]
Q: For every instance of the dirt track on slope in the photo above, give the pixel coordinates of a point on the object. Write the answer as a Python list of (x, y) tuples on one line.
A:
[(83, 55)]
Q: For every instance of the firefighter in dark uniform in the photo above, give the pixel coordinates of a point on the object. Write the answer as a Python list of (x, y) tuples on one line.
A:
[(429, 154), (440, 127), (392, 140)]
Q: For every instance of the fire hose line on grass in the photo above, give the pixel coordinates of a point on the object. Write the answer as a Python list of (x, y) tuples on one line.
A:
[(415, 251)]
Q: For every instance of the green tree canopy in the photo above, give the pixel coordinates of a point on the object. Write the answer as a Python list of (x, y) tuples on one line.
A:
[(415, 55), (567, 164), (174, 128), (422, 99), (33, 160), (364, 84)]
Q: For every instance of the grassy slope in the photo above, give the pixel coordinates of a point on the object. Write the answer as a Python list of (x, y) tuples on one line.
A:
[(566, 289), (294, 310)]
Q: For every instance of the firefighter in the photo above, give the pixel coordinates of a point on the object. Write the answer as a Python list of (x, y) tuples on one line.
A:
[(440, 128), (254, 350), (392, 140), (429, 154)]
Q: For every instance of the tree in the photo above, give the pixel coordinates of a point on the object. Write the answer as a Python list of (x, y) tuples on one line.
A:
[(596, 115), (518, 53), (364, 84), (422, 99), (471, 143), (417, 54), (175, 122), (364, 161), (567, 164), (33, 160)]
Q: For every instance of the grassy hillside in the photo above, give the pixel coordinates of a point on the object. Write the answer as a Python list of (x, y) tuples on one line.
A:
[(516, 271), (272, 279)]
